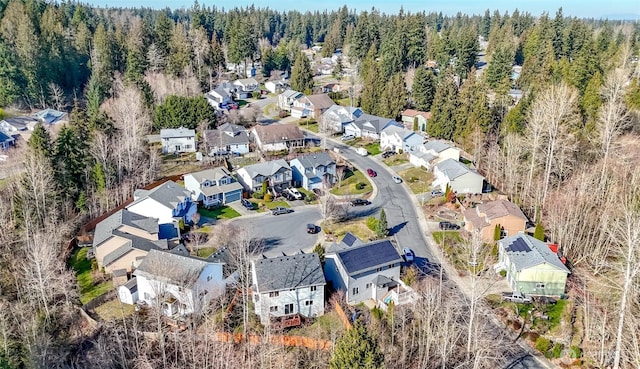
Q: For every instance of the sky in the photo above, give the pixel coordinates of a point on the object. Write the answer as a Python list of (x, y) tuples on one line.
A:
[(613, 9)]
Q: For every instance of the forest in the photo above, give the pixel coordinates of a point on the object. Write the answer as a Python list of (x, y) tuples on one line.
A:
[(566, 153)]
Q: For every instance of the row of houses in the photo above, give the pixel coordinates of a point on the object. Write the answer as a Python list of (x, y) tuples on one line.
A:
[(12, 128)]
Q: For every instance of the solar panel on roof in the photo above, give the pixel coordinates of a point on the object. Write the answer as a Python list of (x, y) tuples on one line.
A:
[(349, 239), (519, 245)]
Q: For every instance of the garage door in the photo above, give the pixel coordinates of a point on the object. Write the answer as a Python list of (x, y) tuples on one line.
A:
[(233, 196)]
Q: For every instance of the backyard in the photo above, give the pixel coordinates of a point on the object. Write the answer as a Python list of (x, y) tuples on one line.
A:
[(308, 124), (418, 179), (354, 183), (373, 148), (89, 288)]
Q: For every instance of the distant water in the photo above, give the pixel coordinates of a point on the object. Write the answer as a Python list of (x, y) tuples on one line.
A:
[(612, 9)]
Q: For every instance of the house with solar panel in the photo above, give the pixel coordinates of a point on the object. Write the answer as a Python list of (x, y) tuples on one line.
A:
[(533, 267), (364, 271)]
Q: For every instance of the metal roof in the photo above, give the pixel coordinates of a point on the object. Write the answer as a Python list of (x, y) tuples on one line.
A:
[(288, 272)]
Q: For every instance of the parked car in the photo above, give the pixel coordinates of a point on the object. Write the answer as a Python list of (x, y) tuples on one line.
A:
[(516, 297), (362, 151), (312, 228), (287, 195), (295, 193), (281, 210), (348, 137), (437, 193), (247, 204), (388, 154), (371, 172), (448, 225), (360, 202), (408, 254), (397, 179)]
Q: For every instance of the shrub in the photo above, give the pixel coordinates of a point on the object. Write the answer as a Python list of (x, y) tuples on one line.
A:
[(575, 352), (360, 185), (268, 197), (255, 94), (543, 344), (283, 114), (410, 276), (503, 273), (557, 350), (372, 223), (310, 197), (400, 151), (413, 179), (258, 195)]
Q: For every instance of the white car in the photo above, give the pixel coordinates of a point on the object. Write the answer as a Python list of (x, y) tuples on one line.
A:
[(295, 193), (409, 256), (348, 137), (397, 179)]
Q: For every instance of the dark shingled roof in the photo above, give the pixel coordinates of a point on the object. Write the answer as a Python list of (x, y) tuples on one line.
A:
[(105, 229), (172, 268), (369, 256), (287, 272)]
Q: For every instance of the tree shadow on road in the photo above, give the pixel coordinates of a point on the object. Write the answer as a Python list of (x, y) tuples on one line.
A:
[(395, 229)]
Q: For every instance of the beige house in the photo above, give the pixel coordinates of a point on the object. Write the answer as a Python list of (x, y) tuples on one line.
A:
[(277, 137), (485, 217)]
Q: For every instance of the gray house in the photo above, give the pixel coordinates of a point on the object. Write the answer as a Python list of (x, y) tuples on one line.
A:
[(368, 126), (178, 140), (337, 117), (213, 187), (364, 271), (310, 171), (288, 285), (277, 173), (228, 138), (458, 176)]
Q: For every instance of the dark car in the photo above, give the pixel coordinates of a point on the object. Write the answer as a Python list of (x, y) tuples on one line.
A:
[(287, 196), (360, 202), (247, 204), (448, 225), (280, 210), (371, 172), (312, 228), (388, 154)]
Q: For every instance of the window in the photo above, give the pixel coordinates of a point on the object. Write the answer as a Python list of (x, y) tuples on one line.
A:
[(274, 294), (308, 303), (314, 288), (288, 309), (539, 285), (379, 269), (368, 286), (273, 309), (209, 278), (355, 291)]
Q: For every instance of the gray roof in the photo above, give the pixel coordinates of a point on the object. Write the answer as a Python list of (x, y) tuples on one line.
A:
[(177, 132), (287, 272), (437, 146), (169, 194), (378, 122), (231, 128), (50, 116), (291, 94), (133, 242), (454, 169), (132, 285), (382, 281), (105, 228), (423, 155), (266, 169), (369, 256), (525, 251), (5, 137), (342, 113), (401, 131), (315, 160), (173, 268), (20, 123), (213, 174), (219, 138), (225, 188)]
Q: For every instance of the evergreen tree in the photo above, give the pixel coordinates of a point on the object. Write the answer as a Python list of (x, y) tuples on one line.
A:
[(444, 109), (357, 349), (40, 142), (242, 44), (179, 51), (499, 68), (394, 97), (382, 227), (179, 111), (497, 232), (538, 233), (424, 88), (301, 75), (415, 124), (11, 80)]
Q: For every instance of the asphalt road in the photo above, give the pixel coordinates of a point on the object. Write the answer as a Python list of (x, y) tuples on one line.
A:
[(286, 233)]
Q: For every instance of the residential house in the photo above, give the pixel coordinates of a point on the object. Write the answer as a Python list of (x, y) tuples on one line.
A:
[(485, 217), (533, 267), (277, 174), (128, 292), (331, 87), (364, 271), (274, 86), (311, 106), (178, 140), (432, 152), (169, 202), (410, 115), (399, 139), (51, 116), (312, 170), (325, 68), (337, 117), (368, 126), (213, 187), (227, 138), (459, 177), (121, 240), (277, 137), (218, 96), (179, 285), (286, 99), (18, 124), (288, 285), (245, 87), (6, 141)]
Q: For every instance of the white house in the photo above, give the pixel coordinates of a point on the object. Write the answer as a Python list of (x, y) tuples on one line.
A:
[(277, 173), (277, 137), (363, 271), (432, 152), (18, 124), (288, 285), (178, 140), (458, 176), (312, 170), (227, 138), (368, 126), (274, 86), (286, 99), (179, 285), (218, 96), (245, 87), (399, 138), (213, 187), (169, 202), (337, 117)]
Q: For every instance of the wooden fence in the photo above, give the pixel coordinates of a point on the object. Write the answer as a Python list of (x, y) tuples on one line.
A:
[(289, 341)]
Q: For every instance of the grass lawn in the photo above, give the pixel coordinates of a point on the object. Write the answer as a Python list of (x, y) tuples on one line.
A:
[(418, 179), (357, 227), (88, 288), (348, 185), (222, 212), (395, 160), (323, 327), (241, 103), (274, 204), (311, 126), (449, 237), (205, 252), (114, 309), (373, 148), (308, 194)]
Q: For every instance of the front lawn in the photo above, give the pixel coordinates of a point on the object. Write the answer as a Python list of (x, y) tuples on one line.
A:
[(418, 179), (357, 227), (274, 204), (310, 125), (222, 212), (89, 289), (354, 183), (308, 195), (373, 148), (395, 160), (450, 237)]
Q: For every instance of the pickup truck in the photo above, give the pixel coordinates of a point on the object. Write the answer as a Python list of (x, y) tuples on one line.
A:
[(362, 151), (516, 297)]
